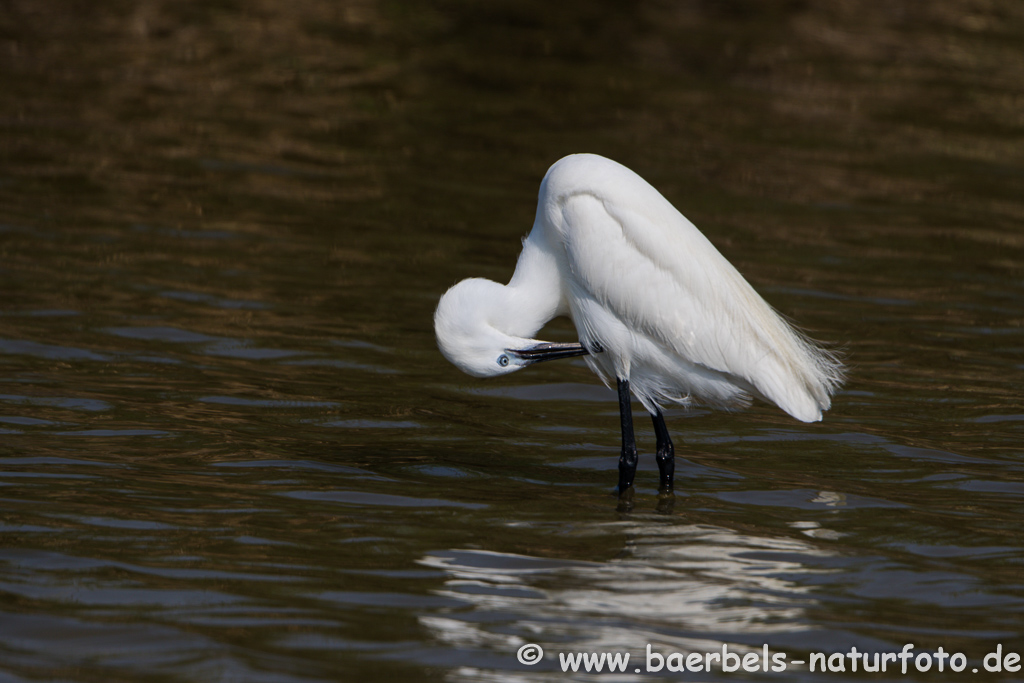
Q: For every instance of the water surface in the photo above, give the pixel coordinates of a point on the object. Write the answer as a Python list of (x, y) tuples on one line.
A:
[(229, 449)]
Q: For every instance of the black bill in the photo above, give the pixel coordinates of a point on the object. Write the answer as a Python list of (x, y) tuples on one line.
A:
[(549, 351)]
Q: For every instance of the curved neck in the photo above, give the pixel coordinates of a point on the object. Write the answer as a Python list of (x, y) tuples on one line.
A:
[(536, 293)]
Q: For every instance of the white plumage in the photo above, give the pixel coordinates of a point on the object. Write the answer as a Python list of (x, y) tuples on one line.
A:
[(651, 298)]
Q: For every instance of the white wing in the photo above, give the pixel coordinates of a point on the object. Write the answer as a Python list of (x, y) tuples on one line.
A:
[(636, 257)]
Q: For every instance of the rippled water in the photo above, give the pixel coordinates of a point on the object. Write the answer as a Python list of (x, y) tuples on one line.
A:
[(229, 449)]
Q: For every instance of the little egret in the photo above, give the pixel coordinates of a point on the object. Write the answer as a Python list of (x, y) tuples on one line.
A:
[(654, 304)]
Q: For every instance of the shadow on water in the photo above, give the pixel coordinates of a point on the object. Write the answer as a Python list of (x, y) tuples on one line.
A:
[(229, 449)]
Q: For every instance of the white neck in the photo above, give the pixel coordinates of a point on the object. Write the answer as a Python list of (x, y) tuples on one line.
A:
[(477, 321), (535, 293)]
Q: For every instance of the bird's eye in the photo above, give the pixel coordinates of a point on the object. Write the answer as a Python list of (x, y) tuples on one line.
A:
[(503, 360)]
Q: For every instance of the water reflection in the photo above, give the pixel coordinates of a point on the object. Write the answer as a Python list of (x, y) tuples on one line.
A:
[(692, 577), (680, 588), (689, 587), (231, 451)]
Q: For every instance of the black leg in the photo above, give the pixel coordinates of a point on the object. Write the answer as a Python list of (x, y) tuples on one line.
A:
[(628, 459), (666, 456)]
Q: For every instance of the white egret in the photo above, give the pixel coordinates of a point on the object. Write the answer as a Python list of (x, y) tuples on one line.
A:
[(655, 306)]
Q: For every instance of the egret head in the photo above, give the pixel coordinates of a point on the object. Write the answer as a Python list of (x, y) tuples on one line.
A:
[(470, 323), (467, 323)]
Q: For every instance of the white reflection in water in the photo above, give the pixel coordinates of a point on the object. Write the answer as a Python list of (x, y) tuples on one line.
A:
[(678, 587)]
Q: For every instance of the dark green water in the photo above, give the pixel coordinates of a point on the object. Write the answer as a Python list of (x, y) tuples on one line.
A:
[(230, 451)]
